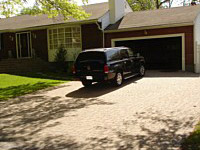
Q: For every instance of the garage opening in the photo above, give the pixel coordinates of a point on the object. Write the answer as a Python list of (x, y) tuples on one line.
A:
[(159, 53)]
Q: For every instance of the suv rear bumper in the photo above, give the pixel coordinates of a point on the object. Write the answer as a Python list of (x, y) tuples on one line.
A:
[(96, 77)]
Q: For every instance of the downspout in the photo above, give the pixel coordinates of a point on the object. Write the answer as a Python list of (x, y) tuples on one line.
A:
[(196, 37), (99, 27)]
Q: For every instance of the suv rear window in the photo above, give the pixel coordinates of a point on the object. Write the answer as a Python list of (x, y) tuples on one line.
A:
[(91, 56), (112, 55)]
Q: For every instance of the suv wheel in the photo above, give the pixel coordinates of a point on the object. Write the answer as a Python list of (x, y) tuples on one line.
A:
[(142, 71), (86, 83), (118, 79)]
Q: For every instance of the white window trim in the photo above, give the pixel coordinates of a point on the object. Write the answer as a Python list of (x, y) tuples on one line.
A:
[(30, 51), (63, 26), (182, 35), (57, 27)]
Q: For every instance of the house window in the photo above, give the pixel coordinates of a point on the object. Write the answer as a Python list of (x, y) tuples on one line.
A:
[(69, 37)]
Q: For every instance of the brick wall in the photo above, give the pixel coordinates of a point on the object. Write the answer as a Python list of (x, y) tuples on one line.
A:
[(92, 37)]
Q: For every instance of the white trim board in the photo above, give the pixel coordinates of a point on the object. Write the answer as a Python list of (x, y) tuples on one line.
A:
[(150, 27), (30, 51), (196, 36), (48, 40), (182, 35)]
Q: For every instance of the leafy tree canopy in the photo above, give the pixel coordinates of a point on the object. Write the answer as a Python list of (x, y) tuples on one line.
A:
[(138, 5), (68, 8)]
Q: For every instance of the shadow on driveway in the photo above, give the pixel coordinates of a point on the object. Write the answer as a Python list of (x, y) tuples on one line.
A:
[(167, 138), (170, 73), (99, 89), (22, 119), (162, 139)]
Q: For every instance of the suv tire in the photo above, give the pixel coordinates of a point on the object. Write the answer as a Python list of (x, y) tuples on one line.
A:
[(142, 71), (118, 79), (86, 83)]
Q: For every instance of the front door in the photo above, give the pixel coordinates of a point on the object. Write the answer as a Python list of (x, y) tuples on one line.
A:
[(24, 45)]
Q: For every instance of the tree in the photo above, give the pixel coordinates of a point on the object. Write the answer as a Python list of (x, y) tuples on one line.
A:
[(159, 3), (190, 2), (68, 8), (138, 5)]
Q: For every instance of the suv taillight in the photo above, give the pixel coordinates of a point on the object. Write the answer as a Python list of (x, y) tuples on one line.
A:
[(106, 69), (74, 69)]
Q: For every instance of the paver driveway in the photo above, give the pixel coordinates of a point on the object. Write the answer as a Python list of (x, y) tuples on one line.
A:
[(155, 112)]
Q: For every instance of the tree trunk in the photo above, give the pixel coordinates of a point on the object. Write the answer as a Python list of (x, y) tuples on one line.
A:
[(157, 4)]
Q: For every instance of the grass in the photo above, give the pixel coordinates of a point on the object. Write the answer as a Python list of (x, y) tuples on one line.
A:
[(12, 86), (193, 141), (48, 75)]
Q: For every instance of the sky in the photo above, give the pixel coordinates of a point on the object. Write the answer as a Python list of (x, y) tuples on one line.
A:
[(175, 2), (91, 1)]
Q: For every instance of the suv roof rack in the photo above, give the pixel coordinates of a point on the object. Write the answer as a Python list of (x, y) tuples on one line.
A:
[(105, 49)]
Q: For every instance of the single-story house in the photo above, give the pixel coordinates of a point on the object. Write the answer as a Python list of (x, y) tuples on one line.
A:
[(167, 38)]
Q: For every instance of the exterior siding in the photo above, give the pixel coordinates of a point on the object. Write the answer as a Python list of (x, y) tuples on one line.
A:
[(40, 44), (9, 44), (92, 37), (187, 30)]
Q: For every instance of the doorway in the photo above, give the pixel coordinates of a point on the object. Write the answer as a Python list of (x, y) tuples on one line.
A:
[(24, 46)]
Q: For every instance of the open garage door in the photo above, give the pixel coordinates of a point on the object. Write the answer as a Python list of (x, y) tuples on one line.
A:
[(159, 53)]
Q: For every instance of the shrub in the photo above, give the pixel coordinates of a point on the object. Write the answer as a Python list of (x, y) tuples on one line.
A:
[(60, 58)]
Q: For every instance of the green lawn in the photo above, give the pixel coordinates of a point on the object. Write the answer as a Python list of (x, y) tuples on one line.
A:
[(193, 141), (12, 85)]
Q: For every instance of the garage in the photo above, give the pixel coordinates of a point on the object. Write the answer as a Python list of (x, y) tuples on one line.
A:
[(160, 53), (168, 42)]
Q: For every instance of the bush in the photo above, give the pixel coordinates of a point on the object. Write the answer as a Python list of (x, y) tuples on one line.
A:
[(60, 58)]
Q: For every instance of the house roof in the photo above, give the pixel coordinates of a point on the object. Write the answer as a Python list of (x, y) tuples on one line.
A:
[(160, 17), (28, 21)]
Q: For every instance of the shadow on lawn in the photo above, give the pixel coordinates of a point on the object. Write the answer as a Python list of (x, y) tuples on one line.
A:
[(14, 91)]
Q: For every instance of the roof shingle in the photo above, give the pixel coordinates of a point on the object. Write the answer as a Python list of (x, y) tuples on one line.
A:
[(142, 19), (27, 21)]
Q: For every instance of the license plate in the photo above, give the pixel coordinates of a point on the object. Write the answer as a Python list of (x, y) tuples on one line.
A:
[(89, 77)]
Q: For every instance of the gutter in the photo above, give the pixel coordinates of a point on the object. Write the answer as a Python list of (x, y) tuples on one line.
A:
[(39, 27), (150, 27), (99, 27)]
